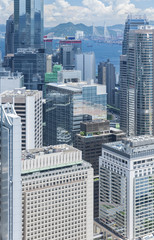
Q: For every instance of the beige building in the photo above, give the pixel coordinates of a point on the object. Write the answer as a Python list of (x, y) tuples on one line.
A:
[(57, 194), (28, 105)]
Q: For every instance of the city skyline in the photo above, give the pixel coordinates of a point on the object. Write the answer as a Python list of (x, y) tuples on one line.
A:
[(86, 11)]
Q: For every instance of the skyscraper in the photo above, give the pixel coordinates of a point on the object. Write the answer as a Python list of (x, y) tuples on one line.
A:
[(136, 97), (127, 187), (57, 194), (31, 62), (9, 36), (28, 105), (28, 24), (106, 76), (85, 62), (10, 174), (131, 23), (68, 104)]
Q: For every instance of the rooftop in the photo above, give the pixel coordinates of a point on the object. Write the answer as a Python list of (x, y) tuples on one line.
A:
[(77, 87), (133, 146), (19, 92), (50, 157)]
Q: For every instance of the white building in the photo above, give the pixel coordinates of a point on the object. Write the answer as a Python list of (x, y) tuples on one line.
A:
[(57, 194), (10, 174), (28, 105), (10, 81), (127, 188), (66, 76), (48, 63), (85, 62), (79, 35)]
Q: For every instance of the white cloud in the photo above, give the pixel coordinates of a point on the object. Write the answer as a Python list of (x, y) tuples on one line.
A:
[(6, 9), (90, 11)]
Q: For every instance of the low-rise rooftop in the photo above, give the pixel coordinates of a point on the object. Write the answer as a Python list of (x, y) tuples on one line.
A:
[(133, 146), (50, 157)]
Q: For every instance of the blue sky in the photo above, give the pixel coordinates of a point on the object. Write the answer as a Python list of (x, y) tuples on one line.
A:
[(87, 11)]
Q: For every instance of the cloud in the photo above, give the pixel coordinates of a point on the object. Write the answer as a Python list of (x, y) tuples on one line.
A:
[(6, 9), (89, 12)]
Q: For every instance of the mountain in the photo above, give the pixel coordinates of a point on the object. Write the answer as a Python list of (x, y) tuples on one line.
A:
[(69, 29)]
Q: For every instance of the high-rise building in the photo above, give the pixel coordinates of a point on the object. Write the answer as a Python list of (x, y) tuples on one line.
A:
[(136, 83), (10, 174), (48, 45), (57, 194), (10, 81), (31, 62), (85, 62), (28, 24), (68, 104), (68, 49), (9, 36), (28, 105), (132, 23), (90, 139), (126, 188), (106, 76)]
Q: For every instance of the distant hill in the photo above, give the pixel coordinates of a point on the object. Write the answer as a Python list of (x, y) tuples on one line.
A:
[(68, 29)]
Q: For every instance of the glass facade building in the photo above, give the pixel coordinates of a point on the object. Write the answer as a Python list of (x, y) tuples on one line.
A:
[(28, 23), (127, 187), (69, 104), (10, 174), (137, 83)]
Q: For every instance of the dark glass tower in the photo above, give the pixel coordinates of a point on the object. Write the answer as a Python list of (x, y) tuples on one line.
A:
[(28, 24), (9, 36)]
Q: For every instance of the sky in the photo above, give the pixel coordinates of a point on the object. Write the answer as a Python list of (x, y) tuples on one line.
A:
[(89, 12)]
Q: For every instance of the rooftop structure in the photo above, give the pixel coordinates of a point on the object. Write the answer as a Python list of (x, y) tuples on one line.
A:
[(50, 157), (9, 80)]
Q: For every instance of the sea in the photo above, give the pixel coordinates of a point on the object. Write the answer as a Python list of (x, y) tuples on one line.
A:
[(103, 51)]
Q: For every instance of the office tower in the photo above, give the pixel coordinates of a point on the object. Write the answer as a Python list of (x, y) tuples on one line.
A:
[(68, 104), (48, 45), (106, 76), (65, 76), (90, 139), (48, 63), (28, 24), (10, 174), (9, 80), (132, 23), (126, 187), (136, 88), (57, 194), (85, 62), (28, 105), (68, 49), (9, 36), (31, 62), (8, 61)]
